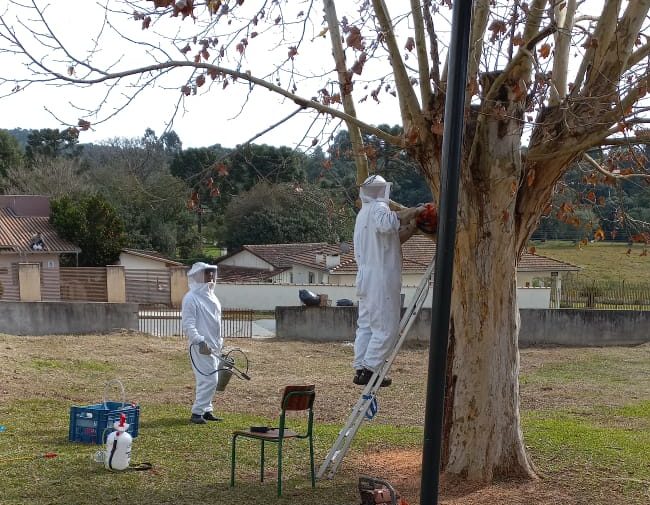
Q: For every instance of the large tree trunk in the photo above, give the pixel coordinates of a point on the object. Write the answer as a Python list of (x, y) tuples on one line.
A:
[(484, 437)]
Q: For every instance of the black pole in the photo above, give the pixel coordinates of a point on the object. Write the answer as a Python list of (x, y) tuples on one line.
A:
[(441, 305)]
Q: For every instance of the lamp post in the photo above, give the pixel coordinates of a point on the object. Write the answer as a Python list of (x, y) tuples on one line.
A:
[(441, 305)]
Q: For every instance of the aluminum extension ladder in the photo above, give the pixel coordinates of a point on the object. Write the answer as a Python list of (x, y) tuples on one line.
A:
[(367, 400)]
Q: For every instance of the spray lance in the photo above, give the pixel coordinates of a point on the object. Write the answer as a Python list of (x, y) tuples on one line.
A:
[(234, 362)]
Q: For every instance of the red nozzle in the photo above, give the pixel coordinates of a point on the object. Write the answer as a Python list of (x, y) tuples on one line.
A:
[(122, 419), (50, 455)]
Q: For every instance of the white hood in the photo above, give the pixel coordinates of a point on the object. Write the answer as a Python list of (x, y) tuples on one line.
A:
[(375, 188), (195, 277)]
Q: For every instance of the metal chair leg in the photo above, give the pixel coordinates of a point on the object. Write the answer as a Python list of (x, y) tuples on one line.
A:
[(279, 468), (311, 461), (262, 462), (232, 461)]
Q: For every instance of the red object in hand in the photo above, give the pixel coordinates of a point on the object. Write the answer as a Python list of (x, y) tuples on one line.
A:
[(427, 221)]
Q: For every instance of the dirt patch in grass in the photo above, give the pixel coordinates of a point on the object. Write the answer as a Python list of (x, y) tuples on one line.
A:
[(402, 469)]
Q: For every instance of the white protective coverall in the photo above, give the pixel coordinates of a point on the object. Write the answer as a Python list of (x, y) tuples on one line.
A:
[(201, 320), (378, 254)]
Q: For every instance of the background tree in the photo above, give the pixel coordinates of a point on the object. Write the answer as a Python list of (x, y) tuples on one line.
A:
[(54, 177), (216, 175), (51, 143), (286, 213), (93, 225), (11, 155), (133, 174), (572, 80)]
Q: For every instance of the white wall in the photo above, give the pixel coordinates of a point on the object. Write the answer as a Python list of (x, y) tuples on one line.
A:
[(301, 275), (268, 296), (414, 279), (248, 260), (350, 279), (534, 298)]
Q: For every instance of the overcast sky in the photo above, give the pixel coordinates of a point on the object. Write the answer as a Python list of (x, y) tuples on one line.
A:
[(213, 116)]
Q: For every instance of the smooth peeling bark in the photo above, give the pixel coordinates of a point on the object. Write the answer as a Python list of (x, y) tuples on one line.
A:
[(485, 440)]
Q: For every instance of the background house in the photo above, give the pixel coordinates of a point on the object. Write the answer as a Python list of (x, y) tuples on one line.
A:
[(321, 263), (308, 263), (139, 259), (262, 277), (26, 236)]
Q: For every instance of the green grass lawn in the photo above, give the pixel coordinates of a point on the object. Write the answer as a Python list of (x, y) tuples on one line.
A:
[(585, 414), (601, 260)]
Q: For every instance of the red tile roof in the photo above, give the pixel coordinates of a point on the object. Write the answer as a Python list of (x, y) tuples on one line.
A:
[(281, 255), (229, 273), (417, 253), (16, 233)]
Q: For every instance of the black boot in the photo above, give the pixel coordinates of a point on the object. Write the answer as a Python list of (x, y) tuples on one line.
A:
[(209, 416), (197, 419), (363, 377)]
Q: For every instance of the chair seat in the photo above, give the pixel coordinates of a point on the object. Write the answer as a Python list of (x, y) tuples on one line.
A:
[(269, 435)]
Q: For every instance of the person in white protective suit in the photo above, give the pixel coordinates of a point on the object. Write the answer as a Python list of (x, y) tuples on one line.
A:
[(378, 234), (201, 321)]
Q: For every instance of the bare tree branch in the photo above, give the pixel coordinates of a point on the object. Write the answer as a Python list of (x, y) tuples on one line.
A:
[(421, 48), (433, 42), (564, 14), (411, 111), (345, 86), (480, 18), (612, 175), (638, 55)]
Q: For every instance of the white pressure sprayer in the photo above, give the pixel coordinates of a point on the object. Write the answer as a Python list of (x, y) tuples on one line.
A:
[(118, 446)]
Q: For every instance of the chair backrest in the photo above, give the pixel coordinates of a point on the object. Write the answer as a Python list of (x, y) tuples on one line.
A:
[(298, 397)]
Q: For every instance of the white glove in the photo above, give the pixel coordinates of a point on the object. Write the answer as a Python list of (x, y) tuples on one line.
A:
[(204, 349), (407, 215)]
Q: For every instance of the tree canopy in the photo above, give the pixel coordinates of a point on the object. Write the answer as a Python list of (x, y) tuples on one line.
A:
[(92, 224), (286, 213)]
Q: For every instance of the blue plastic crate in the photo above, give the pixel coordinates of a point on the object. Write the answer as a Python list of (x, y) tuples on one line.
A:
[(91, 424)]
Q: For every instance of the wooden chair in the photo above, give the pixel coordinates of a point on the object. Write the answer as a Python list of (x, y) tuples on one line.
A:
[(294, 398)]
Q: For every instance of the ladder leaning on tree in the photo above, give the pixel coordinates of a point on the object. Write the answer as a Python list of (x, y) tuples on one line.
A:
[(366, 405)]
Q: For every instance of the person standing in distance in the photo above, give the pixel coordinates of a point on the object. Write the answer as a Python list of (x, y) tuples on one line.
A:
[(378, 235), (201, 322)]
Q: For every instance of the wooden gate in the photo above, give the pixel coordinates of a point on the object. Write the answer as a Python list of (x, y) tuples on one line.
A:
[(148, 286)]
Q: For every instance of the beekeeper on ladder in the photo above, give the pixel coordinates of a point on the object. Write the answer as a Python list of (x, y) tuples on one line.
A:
[(201, 321), (378, 234)]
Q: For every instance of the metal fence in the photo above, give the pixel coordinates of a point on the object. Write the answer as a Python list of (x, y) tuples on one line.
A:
[(582, 294), (235, 323)]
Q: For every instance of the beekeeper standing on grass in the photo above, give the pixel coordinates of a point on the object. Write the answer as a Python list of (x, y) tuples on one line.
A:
[(378, 234), (201, 321)]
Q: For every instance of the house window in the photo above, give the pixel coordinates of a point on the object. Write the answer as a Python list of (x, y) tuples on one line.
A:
[(291, 278), (311, 277)]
